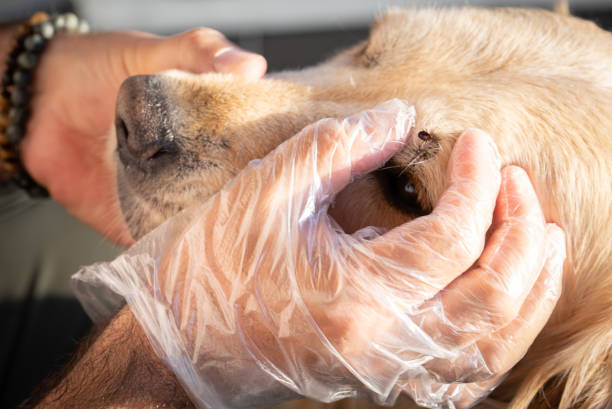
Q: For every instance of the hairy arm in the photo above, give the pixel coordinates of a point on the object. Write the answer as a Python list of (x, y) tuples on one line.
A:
[(116, 368)]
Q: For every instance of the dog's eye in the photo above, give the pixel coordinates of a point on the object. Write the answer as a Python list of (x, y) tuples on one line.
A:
[(400, 190), (410, 194)]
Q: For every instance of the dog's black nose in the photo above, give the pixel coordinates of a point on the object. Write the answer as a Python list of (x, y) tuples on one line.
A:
[(145, 137)]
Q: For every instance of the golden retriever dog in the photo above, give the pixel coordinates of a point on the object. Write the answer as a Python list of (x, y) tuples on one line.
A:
[(539, 82)]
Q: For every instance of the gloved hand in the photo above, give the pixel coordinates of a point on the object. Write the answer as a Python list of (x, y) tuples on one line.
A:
[(258, 295)]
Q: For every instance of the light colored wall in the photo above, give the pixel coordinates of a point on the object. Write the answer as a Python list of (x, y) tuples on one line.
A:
[(245, 17)]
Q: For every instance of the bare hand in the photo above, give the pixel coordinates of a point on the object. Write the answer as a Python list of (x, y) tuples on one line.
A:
[(70, 138)]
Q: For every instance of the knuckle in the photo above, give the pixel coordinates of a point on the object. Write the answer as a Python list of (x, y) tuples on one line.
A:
[(495, 363), (202, 37), (501, 310)]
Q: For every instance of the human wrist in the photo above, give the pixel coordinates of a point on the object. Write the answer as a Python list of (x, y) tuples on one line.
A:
[(27, 45), (7, 38)]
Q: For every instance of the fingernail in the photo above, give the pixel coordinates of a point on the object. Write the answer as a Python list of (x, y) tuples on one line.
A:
[(517, 175), (237, 61)]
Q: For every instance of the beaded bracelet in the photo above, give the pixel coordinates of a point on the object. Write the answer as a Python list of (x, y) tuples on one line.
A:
[(32, 37)]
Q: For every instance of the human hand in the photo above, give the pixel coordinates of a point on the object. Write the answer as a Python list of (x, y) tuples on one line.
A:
[(260, 288), (492, 313), (70, 138)]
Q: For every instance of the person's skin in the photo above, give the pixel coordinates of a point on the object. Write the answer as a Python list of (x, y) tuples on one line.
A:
[(68, 144)]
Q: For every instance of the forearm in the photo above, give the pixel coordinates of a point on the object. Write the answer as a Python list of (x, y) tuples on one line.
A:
[(117, 369)]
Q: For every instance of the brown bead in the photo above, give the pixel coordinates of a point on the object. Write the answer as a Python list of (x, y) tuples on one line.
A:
[(23, 29), (4, 121), (8, 167), (4, 104), (3, 139), (4, 155), (39, 18)]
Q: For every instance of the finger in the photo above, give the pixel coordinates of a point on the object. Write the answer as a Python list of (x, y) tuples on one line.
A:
[(324, 157), (429, 252), (499, 351), (455, 395), (205, 49), (504, 348), (489, 295), (197, 51)]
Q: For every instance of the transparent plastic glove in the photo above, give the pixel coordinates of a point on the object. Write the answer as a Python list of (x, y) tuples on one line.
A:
[(258, 296)]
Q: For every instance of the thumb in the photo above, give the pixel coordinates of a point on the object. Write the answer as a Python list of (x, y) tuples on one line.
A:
[(327, 155), (207, 50)]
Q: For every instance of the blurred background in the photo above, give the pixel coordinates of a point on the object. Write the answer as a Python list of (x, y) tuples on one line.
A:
[(290, 33)]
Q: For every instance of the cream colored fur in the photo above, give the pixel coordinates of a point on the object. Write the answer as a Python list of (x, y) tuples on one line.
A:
[(540, 83)]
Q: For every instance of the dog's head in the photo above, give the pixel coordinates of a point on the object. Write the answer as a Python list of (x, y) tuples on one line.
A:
[(538, 82)]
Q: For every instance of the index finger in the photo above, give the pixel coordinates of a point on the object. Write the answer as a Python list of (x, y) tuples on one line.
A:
[(431, 251)]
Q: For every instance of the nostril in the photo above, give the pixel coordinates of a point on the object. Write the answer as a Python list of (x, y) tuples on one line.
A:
[(139, 148), (145, 134), (122, 132), (154, 152)]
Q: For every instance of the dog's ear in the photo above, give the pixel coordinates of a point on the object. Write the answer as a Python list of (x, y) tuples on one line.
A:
[(562, 7)]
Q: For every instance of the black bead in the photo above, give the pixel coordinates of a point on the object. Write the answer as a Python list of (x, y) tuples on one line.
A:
[(14, 133), (25, 181), (20, 180), (18, 116), (34, 42), (19, 97), (35, 190), (21, 77), (14, 53), (7, 80), (27, 60), (10, 66)]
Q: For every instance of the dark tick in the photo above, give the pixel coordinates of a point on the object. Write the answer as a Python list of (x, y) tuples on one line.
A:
[(424, 136)]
